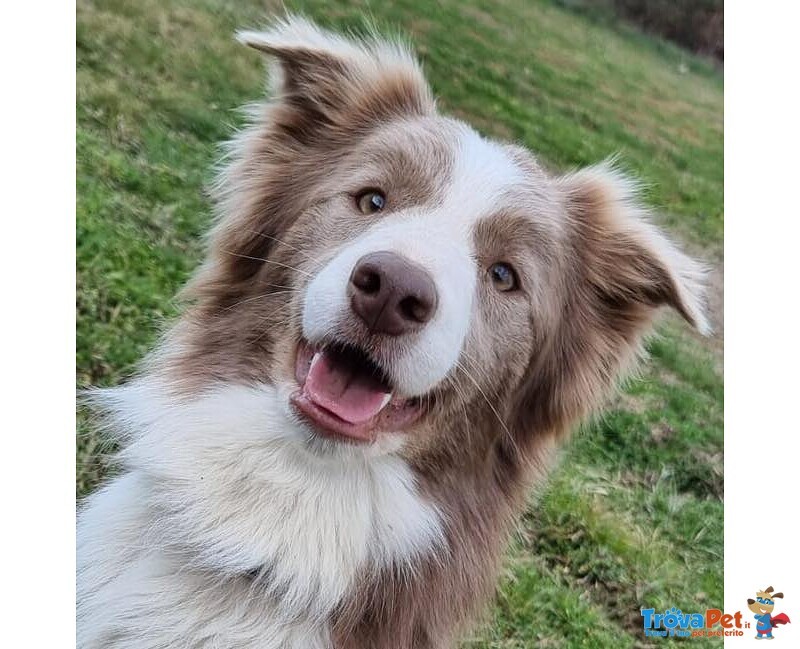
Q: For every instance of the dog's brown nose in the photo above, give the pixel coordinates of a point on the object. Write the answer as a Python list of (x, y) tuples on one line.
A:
[(390, 294)]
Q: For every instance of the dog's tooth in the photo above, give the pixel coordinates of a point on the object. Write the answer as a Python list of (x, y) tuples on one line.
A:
[(314, 359), (386, 399)]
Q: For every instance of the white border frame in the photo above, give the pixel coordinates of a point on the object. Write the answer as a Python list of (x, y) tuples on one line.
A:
[(762, 175), (37, 61)]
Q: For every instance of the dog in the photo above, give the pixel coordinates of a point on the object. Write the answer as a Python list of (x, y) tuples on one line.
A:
[(763, 607), (397, 323)]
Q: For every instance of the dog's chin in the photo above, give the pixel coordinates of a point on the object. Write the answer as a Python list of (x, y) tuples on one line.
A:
[(344, 395)]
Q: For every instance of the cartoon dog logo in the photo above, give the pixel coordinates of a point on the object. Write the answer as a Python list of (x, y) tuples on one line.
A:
[(763, 606)]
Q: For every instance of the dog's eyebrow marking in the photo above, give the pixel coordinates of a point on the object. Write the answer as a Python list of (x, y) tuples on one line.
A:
[(517, 229), (411, 159)]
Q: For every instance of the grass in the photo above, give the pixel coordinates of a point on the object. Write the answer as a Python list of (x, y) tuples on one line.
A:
[(633, 516)]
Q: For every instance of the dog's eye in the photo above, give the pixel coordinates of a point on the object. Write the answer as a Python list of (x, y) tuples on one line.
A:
[(370, 201), (503, 276)]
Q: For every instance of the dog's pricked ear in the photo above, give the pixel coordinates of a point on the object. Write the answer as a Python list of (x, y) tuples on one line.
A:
[(628, 262), (328, 80)]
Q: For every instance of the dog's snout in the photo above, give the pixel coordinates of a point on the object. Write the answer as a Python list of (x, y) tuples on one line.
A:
[(390, 294)]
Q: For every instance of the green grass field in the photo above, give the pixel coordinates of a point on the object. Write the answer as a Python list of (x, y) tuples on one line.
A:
[(633, 516)]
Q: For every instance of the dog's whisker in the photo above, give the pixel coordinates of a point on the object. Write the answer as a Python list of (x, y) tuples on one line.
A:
[(463, 399), (476, 369), (268, 261), (283, 243), (427, 400), (474, 364), (275, 239), (284, 322), (255, 297), (492, 407), (263, 283)]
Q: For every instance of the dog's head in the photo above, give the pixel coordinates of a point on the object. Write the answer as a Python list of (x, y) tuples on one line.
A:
[(764, 602), (390, 270)]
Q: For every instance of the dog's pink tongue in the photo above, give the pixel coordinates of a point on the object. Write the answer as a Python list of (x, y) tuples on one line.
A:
[(349, 396)]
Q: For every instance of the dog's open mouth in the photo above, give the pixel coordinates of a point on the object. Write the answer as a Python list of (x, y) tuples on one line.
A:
[(344, 392)]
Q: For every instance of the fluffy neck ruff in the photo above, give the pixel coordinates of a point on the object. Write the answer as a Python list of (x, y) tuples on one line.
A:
[(237, 487)]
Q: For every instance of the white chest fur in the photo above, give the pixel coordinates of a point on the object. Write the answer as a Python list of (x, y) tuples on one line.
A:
[(225, 485)]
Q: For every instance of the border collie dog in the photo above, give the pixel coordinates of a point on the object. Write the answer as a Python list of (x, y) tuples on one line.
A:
[(397, 322)]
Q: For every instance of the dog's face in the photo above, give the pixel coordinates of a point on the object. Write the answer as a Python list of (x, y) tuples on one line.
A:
[(389, 269), (764, 602), (432, 268)]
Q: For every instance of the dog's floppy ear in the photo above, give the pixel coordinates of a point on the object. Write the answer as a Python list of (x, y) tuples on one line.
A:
[(326, 91), (325, 80), (621, 269), (628, 263)]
